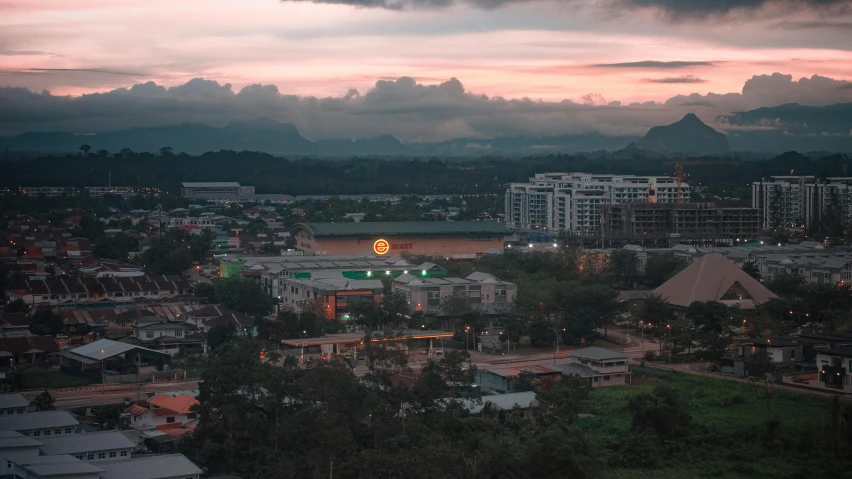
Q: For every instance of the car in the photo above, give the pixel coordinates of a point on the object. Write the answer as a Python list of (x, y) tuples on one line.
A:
[(439, 351), (424, 351)]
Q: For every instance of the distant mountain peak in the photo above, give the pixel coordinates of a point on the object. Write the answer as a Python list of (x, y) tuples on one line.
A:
[(690, 135)]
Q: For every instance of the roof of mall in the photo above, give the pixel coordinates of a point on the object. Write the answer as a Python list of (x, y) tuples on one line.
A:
[(406, 228)]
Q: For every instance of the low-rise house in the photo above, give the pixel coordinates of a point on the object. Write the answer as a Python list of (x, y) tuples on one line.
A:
[(92, 447), (103, 355), (524, 401), (600, 366), (778, 350), (218, 316), (171, 337), (505, 379), (41, 424), (833, 370), (13, 325), (28, 349), (61, 466), (165, 413)]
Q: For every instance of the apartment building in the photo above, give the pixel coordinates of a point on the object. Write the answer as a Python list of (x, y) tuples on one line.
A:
[(573, 201), (802, 201), (701, 224), (431, 295)]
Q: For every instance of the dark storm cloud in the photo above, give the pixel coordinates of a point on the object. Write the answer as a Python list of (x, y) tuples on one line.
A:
[(403, 108), (675, 9), (653, 64), (681, 79)]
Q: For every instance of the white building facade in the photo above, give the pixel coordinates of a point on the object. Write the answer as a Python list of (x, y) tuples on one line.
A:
[(571, 201)]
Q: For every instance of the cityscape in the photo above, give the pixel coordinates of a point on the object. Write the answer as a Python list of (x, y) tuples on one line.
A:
[(415, 239)]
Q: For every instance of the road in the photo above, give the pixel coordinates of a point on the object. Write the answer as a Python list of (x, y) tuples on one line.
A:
[(96, 395)]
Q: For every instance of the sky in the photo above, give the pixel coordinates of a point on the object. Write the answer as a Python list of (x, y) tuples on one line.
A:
[(419, 69)]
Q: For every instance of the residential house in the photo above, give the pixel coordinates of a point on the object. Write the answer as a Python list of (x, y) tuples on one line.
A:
[(171, 337), (158, 466), (165, 413), (41, 423), (13, 403), (13, 443), (833, 370), (778, 350), (28, 349), (600, 366), (217, 316), (14, 325)]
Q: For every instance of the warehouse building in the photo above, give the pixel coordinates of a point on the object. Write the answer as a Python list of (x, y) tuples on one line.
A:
[(450, 239)]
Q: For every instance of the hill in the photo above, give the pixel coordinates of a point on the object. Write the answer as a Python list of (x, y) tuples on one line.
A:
[(688, 136)]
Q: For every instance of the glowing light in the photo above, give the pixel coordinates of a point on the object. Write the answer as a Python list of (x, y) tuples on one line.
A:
[(381, 246)]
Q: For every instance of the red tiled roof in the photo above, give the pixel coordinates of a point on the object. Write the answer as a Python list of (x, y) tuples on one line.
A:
[(181, 404), (136, 410), (176, 429)]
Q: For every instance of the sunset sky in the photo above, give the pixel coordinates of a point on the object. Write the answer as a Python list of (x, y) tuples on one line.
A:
[(589, 52)]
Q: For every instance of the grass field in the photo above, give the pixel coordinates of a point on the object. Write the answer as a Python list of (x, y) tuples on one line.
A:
[(45, 379), (728, 437)]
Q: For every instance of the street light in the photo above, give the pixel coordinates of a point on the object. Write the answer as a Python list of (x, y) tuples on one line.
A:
[(799, 317), (466, 331), (642, 336), (556, 346), (669, 327)]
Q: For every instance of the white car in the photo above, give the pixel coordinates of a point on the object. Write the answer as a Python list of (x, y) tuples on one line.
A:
[(439, 351)]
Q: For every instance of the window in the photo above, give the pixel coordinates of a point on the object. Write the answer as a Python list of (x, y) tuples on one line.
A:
[(3, 410), (112, 454), (190, 415), (149, 335), (123, 453), (57, 432), (36, 433), (20, 410), (101, 455), (79, 456), (47, 432), (178, 333), (606, 378), (90, 456), (170, 419), (67, 430)]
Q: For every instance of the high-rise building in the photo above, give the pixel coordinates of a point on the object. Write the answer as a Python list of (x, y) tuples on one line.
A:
[(802, 201), (572, 201)]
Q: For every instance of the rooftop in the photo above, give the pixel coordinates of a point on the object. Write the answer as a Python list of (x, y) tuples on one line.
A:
[(106, 348), (37, 420), (150, 467), (56, 466), (595, 352), (12, 400), (406, 228), (78, 443), (211, 184), (523, 400)]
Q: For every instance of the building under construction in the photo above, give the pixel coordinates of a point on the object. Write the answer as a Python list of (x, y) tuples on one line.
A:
[(665, 224)]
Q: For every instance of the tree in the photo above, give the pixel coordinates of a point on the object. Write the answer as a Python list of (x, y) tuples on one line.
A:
[(657, 312), (661, 268), (125, 152), (45, 323), (564, 401), (220, 335), (624, 265), (17, 306), (166, 151), (751, 269), (243, 295), (662, 411), (43, 402), (85, 149)]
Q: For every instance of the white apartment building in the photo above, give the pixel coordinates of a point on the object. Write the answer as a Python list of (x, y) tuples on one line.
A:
[(572, 201), (430, 295), (783, 200)]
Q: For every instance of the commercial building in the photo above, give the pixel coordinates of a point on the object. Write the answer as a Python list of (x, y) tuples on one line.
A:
[(109, 190), (334, 293), (572, 201), (431, 295), (48, 191), (272, 271), (216, 190), (658, 224), (346, 343), (449, 239)]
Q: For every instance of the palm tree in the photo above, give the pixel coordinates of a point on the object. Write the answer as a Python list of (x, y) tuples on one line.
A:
[(85, 149)]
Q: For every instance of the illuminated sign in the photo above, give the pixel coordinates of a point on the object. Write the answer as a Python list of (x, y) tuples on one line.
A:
[(381, 246)]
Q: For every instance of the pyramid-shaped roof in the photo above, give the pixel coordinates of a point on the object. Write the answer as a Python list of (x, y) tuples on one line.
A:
[(709, 279)]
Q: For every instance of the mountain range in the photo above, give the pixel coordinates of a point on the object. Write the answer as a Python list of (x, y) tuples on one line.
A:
[(689, 136)]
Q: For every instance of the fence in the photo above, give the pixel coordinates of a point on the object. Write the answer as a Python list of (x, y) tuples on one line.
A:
[(156, 377)]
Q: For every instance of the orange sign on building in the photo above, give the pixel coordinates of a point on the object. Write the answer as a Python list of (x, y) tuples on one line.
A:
[(381, 246)]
